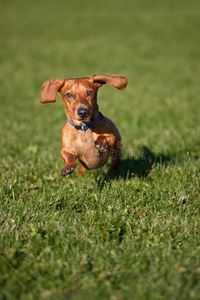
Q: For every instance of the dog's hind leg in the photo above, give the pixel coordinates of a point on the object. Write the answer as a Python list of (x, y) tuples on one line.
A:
[(81, 171), (116, 155)]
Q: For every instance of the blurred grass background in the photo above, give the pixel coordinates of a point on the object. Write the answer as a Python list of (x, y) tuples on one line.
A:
[(155, 44)]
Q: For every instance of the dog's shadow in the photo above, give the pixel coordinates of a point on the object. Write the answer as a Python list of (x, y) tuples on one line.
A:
[(138, 165)]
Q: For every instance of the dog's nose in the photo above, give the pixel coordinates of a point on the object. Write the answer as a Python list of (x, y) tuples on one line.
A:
[(83, 112)]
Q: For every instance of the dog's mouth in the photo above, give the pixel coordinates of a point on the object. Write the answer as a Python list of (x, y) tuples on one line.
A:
[(83, 120)]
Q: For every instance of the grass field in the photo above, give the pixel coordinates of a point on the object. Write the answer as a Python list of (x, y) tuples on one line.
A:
[(134, 235)]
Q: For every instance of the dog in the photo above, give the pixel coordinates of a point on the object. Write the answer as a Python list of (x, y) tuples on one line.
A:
[(87, 135)]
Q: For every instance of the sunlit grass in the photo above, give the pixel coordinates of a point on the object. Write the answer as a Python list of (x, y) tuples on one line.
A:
[(134, 235)]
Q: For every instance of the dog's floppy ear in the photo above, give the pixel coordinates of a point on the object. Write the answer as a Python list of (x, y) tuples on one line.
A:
[(50, 89), (120, 82)]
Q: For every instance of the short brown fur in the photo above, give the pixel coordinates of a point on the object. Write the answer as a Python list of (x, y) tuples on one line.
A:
[(92, 147)]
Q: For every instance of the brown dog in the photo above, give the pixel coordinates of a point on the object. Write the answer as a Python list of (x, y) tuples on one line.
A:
[(87, 135)]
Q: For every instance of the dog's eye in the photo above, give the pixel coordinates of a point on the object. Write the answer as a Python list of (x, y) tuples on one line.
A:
[(90, 93), (69, 95)]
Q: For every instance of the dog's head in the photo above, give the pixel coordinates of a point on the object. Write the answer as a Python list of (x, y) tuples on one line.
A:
[(79, 95)]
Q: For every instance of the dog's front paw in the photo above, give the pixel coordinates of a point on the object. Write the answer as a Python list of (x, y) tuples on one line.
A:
[(101, 144), (66, 170)]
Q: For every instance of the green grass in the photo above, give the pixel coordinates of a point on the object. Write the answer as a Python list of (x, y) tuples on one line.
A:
[(134, 235)]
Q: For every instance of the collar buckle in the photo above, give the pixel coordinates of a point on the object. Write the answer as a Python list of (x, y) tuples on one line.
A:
[(84, 127)]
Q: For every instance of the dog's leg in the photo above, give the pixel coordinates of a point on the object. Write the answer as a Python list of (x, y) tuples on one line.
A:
[(116, 155), (109, 142), (105, 142), (70, 160), (81, 171), (101, 144)]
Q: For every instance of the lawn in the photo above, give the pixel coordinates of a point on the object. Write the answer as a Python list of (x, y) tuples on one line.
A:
[(136, 234)]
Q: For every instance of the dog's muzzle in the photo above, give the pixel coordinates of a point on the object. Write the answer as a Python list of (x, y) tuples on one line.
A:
[(83, 113)]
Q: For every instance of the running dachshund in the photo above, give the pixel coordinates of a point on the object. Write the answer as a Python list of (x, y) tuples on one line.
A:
[(87, 135)]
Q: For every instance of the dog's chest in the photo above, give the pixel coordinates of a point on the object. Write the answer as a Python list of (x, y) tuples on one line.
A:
[(87, 153), (84, 142), (83, 136)]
